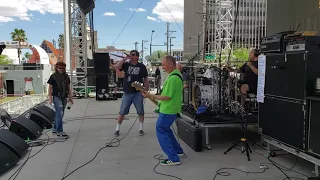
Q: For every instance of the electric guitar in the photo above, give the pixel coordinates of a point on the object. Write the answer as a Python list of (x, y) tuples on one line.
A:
[(139, 87)]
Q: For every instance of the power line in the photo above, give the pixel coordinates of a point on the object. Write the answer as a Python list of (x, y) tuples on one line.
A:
[(172, 16), (127, 22)]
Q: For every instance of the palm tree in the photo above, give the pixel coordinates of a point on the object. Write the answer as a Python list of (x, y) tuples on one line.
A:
[(61, 41), (19, 35)]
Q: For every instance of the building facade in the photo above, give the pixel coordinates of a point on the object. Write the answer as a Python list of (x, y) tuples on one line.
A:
[(293, 15), (221, 29), (177, 53)]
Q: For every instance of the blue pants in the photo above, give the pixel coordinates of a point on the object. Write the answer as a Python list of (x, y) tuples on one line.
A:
[(166, 139), (128, 99), (59, 106)]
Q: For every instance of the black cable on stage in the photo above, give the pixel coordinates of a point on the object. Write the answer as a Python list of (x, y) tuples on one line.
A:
[(110, 144), (127, 22), (17, 172)]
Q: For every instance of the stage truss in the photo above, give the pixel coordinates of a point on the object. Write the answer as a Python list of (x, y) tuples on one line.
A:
[(220, 16), (78, 49)]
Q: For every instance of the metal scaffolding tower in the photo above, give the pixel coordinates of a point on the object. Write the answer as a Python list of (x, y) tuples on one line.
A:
[(76, 53), (223, 26), (219, 25)]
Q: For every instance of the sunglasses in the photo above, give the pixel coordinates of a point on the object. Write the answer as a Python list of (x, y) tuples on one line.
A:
[(132, 54), (61, 68)]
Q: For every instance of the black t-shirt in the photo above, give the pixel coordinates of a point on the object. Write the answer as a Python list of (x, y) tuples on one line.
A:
[(133, 73), (55, 89), (249, 77)]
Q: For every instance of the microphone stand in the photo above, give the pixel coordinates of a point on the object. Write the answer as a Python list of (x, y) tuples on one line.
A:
[(220, 73)]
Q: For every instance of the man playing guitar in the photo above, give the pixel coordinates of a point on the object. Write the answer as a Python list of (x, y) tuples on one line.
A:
[(170, 102)]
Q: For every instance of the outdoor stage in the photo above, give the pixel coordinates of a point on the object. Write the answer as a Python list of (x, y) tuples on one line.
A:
[(133, 159)]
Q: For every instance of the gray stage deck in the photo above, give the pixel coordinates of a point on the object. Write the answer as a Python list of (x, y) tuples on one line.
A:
[(133, 159)]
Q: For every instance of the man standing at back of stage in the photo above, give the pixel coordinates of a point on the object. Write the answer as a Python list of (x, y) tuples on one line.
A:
[(158, 79), (134, 71), (59, 91), (170, 105)]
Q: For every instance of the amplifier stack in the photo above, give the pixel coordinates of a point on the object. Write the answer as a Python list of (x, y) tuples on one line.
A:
[(289, 112)]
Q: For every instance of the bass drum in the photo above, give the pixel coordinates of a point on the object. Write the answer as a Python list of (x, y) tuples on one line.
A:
[(202, 95)]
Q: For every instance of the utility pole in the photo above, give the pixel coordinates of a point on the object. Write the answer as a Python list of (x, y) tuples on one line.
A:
[(142, 48), (169, 38), (171, 44), (136, 46)]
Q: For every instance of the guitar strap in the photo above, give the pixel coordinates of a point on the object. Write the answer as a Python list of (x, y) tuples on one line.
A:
[(176, 74)]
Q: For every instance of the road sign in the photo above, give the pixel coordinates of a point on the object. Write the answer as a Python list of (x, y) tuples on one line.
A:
[(209, 57)]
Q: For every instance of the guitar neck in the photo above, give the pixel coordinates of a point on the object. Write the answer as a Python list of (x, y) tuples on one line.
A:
[(154, 101)]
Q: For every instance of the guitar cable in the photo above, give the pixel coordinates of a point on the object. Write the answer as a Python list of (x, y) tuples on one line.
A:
[(115, 142)]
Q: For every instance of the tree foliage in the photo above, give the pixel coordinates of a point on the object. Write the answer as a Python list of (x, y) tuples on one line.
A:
[(19, 35), (61, 41), (4, 60), (156, 56)]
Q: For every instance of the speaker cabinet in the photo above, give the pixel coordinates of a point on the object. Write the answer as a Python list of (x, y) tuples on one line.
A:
[(284, 121), (190, 134), (25, 128), (314, 126), (102, 88), (46, 111), (101, 63), (7, 158), (12, 141), (40, 119)]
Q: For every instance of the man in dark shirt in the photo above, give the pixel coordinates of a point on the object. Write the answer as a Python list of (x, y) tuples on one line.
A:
[(134, 71), (158, 79), (59, 91), (250, 74)]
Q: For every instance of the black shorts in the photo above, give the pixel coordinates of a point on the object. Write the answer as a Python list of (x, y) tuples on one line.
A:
[(252, 86), (120, 82)]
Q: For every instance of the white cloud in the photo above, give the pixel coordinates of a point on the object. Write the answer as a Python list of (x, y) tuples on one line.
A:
[(152, 18), (175, 7), (109, 14), (19, 9), (54, 21), (6, 19), (138, 10), (117, 0)]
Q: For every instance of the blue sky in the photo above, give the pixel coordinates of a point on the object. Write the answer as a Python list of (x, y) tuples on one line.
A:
[(43, 19)]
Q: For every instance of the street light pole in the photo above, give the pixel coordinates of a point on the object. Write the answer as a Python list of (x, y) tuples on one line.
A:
[(151, 42)]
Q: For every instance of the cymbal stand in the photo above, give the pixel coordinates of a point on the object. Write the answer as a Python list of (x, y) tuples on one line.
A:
[(243, 140)]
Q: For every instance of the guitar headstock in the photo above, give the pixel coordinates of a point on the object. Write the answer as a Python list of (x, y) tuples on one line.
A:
[(138, 86)]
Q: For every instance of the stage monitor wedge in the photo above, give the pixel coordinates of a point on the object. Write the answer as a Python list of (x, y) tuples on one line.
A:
[(46, 111), (25, 128), (86, 5), (12, 141), (40, 119), (7, 159)]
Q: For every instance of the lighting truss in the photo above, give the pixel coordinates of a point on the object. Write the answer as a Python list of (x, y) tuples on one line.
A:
[(223, 27), (78, 50)]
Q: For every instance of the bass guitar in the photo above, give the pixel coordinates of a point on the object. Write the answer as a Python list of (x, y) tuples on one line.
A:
[(139, 87)]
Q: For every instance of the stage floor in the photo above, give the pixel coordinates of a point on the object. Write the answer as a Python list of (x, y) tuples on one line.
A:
[(133, 159)]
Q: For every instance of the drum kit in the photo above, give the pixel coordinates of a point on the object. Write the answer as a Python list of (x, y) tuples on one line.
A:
[(216, 90)]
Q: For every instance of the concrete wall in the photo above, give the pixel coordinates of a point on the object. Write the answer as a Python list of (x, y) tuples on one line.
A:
[(192, 26), (18, 77), (284, 15)]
